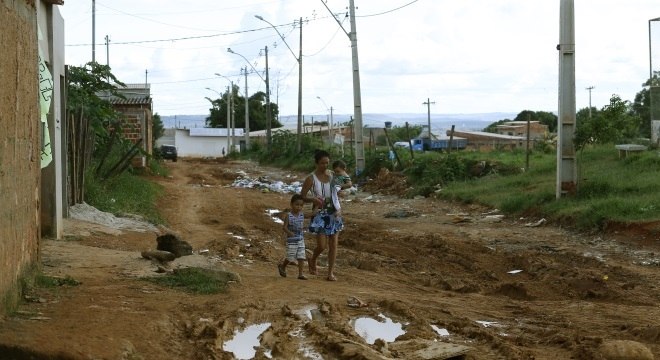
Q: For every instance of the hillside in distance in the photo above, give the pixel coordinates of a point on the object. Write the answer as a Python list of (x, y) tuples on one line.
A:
[(439, 122)]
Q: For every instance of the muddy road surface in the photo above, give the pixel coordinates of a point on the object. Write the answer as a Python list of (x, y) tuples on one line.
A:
[(417, 279)]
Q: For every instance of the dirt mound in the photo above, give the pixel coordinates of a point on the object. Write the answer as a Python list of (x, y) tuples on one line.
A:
[(387, 183)]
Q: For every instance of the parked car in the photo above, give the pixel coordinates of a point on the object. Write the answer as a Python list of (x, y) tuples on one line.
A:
[(168, 152)]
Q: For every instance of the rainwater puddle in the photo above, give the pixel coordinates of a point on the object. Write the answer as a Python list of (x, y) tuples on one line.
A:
[(243, 343), (371, 329), (440, 331), (271, 213), (305, 348)]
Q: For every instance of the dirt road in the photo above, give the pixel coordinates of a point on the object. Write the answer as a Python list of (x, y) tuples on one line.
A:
[(434, 278)]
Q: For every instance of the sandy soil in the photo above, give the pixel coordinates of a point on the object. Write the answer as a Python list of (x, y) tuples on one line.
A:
[(438, 279)]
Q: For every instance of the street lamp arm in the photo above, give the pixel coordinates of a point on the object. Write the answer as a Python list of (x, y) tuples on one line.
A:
[(333, 16), (324, 104), (278, 33), (229, 50)]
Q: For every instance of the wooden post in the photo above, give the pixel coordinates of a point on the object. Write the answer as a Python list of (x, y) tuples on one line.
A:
[(412, 155)]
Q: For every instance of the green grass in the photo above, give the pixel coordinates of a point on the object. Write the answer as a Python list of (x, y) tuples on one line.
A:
[(609, 188), (196, 280), (127, 193)]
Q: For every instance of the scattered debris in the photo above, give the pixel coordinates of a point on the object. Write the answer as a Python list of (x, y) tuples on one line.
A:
[(400, 213), (537, 223), (158, 255), (514, 271), (356, 302)]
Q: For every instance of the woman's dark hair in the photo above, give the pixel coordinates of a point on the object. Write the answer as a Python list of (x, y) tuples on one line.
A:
[(320, 154)]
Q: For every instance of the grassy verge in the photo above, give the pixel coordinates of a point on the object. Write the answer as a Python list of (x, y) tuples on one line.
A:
[(126, 193), (196, 280), (609, 188)]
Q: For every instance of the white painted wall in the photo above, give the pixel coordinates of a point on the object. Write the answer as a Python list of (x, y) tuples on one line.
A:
[(203, 146)]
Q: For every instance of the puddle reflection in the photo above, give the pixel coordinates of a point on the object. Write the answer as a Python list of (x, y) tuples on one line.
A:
[(243, 343), (371, 329)]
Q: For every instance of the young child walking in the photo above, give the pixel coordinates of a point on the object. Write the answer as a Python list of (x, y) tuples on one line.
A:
[(295, 241)]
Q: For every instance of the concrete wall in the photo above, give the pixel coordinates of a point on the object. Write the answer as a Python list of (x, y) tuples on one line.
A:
[(20, 134), (53, 182)]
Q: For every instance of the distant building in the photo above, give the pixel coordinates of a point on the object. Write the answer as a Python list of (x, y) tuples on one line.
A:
[(519, 128), (207, 142), (484, 141), (137, 122)]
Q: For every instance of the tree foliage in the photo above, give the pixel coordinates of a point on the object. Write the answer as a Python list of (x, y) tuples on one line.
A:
[(88, 90), (158, 129), (615, 122), (257, 111)]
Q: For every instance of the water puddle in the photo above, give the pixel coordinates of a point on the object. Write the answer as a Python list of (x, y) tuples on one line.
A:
[(371, 329), (243, 343), (440, 331)]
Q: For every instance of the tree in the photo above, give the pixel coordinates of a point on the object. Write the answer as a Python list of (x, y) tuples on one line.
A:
[(642, 104), (93, 125), (157, 129), (257, 110), (492, 128), (613, 123)]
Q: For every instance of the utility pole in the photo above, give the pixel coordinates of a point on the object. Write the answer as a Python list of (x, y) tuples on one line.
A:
[(228, 118), (269, 139), (357, 97), (300, 91), (590, 88), (146, 77), (93, 30), (428, 111), (247, 116), (566, 161), (107, 50)]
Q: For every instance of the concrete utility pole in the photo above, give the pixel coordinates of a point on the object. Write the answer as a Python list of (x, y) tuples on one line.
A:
[(428, 111), (269, 139), (228, 117), (107, 50), (247, 114), (589, 89), (357, 97), (566, 162), (93, 30), (299, 129)]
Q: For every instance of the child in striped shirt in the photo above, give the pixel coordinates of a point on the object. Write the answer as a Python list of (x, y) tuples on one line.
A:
[(295, 242)]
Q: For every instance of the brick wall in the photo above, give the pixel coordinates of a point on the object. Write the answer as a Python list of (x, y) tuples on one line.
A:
[(20, 133)]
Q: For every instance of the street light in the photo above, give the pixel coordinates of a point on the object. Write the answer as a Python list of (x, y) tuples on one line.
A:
[(230, 91), (299, 60), (269, 140)]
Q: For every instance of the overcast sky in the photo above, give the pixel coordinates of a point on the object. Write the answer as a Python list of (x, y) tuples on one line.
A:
[(467, 56)]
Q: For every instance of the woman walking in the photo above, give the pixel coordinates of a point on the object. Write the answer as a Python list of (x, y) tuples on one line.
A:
[(319, 189)]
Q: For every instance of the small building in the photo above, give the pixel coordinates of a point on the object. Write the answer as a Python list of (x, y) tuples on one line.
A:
[(207, 142), (137, 122), (484, 141), (519, 128)]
